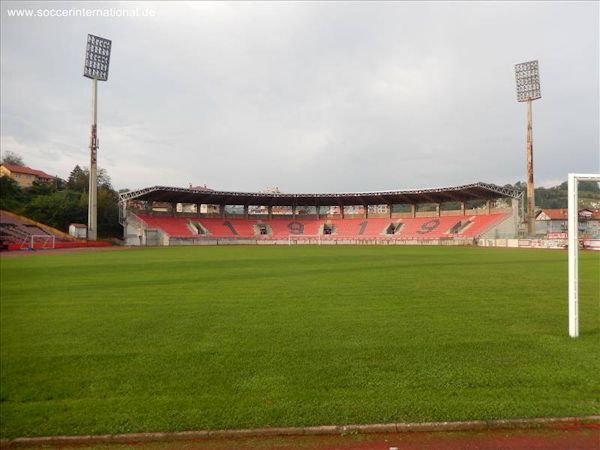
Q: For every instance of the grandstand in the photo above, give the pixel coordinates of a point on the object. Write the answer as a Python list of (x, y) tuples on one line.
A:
[(19, 233), (162, 215)]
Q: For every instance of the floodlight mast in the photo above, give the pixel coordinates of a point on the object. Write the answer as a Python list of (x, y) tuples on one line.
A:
[(528, 89), (93, 172), (96, 64)]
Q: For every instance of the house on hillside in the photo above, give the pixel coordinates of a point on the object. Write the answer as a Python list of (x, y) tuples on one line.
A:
[(556, 221), (24, 176)]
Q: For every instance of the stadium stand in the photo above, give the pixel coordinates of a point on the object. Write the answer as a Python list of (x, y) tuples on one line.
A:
[(356, 227), (16, 233), (284, 227), (406, 228), (173, 226), (481, 224), (448, 226), (177, 216), (232, 228)]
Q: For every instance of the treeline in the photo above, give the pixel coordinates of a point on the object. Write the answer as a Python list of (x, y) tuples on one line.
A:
[(556, 197), (61, 203)]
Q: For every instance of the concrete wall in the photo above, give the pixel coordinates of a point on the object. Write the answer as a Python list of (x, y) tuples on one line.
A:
[(504, 230), (135, 233), (316, 241)]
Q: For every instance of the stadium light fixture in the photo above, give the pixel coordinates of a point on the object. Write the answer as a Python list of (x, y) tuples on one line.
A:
[(528, 81), (97, 60), (528, 89)]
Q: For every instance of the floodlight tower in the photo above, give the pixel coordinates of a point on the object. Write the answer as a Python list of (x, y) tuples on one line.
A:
[(528, 89), (97, 58)]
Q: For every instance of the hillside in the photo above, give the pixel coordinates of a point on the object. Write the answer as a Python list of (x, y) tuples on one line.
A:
[(556, 197)]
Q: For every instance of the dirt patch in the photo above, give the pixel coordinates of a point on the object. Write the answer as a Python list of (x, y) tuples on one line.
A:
[(557, 436)]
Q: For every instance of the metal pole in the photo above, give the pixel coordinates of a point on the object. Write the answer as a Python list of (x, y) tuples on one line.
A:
[(93, 186), (573, 250), (530, 188)]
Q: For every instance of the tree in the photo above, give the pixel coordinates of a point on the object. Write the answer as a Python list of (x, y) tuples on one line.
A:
[(104, 180), (58, 209), (589, 186), (520, 186), (12, 197), (108, 199), (10, 157), (79, 179), (39, 188), (108, 213)]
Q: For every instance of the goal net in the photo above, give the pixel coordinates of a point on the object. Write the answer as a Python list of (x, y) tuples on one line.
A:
[(39, 241), (573, 228)]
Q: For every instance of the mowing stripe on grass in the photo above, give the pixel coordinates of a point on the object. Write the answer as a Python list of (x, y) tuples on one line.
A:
[(173, 339)]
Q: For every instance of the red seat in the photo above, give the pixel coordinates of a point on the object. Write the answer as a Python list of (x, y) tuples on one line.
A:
[(173, 226), (351, 228), (219, 227)]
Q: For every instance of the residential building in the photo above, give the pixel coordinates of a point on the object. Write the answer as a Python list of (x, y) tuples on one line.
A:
[(24, 176)]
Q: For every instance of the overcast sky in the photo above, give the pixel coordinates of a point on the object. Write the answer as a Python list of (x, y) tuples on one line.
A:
[(310, 97)]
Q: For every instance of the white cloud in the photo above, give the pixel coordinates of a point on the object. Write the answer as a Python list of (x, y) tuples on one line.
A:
[(307, 96)]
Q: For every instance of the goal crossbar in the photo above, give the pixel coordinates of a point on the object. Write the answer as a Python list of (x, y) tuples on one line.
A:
[(46, 240), (573, 227)]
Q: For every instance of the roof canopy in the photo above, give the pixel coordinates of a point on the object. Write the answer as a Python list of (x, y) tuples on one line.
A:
[(475, 191)]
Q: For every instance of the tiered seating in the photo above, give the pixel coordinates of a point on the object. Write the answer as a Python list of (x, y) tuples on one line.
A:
[(34, 229), (279, 227), (282, 228), (16, 232), (378, 226), (346, 227), (483, 223), (427, 227), (173, 226), (440, 227), (360, 227), (352, 228), (12, 233), (217, 227), (312, 226)]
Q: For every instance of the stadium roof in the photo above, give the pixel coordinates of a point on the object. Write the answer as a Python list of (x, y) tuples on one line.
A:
[(475, 191)]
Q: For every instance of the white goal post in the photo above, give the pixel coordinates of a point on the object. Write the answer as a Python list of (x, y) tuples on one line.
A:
[(43, 241), (573, 218)]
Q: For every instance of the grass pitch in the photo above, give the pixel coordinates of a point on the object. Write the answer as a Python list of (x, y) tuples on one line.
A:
[(232, 337)]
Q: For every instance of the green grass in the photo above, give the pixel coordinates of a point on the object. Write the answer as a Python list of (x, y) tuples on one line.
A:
[(233, 337)]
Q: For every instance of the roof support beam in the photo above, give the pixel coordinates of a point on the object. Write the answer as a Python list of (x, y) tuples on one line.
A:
[(475, 191)]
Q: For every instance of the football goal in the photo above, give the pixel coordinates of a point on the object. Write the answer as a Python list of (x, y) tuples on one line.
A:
[(573, 228), (39, 241)]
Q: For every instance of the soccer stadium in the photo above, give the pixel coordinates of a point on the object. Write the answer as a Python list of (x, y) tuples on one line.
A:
[(333, 313), (174, 216)]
